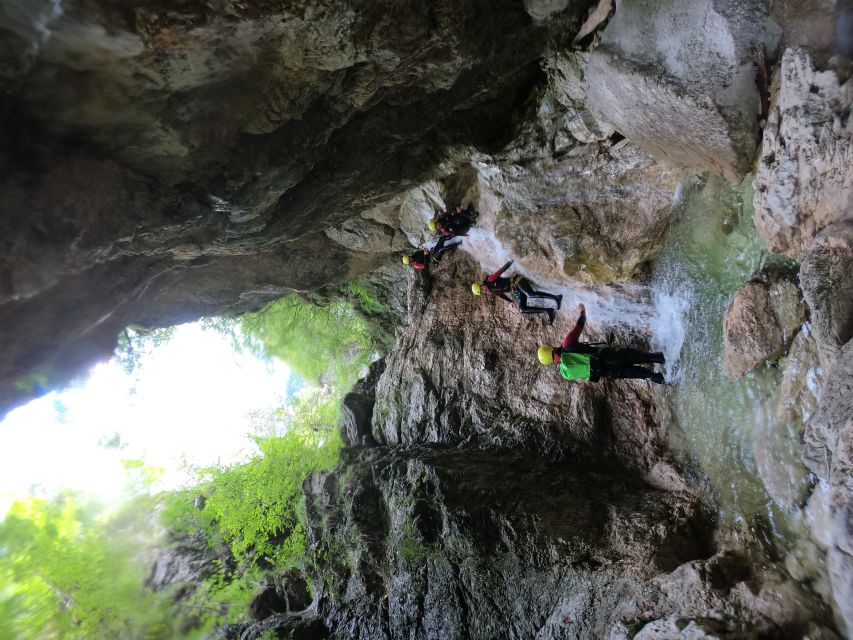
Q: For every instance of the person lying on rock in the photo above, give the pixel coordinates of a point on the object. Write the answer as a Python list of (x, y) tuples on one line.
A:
[(521, 289), (420, 259), (581, 361), (454, 222)]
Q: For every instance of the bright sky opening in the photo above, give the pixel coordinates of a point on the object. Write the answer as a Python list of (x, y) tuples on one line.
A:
[(190, 400)]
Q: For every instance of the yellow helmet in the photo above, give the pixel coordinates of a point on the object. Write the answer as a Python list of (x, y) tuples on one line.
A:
[(546, 354), (431, 224), (475, 288), (406, 259)]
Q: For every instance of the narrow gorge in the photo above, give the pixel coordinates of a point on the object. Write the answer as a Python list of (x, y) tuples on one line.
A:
[(683, 169)]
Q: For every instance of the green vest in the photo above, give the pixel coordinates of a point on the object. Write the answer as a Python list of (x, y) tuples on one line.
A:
[(574, 366)]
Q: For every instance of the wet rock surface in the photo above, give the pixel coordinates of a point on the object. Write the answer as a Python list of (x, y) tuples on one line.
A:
[(662, 76), (761, 321), (804, 178), (828, 438), (460, 376)]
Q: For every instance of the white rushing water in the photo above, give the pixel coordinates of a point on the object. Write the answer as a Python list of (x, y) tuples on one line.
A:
[(606, 305)]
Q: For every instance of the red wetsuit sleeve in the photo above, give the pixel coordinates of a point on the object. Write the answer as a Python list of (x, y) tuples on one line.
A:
[(575, 333), (497, 274)]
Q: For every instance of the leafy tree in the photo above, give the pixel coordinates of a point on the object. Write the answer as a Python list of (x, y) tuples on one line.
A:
[(67, 571), (135, 341), (314, 340), (254, 507)]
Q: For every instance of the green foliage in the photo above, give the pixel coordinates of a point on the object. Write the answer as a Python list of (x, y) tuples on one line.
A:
[(359, 293), (332, 344), (255, 508), (134, 342), (67, 571), (33, 381)]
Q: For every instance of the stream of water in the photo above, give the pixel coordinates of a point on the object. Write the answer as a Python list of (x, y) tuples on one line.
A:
[(725, 429), (729, 427)]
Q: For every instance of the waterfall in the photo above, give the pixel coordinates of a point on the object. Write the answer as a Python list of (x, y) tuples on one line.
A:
[(726, 426), (607, 305)]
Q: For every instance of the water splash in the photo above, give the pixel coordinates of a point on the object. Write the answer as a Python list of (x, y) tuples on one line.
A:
[(33, 22), (607, 305)]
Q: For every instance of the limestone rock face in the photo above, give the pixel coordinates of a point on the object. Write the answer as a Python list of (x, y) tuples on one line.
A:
[(356, 421), (802, 378), (600, 212), (760, 322), (162, 162), (827, 280), (804, 180), (828, 438), (543, 9), (469, 544), (464, 372), (679, 80)]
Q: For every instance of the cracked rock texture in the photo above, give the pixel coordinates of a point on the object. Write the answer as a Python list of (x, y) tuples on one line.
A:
[(465, 544), (803, 208), (828, 438), (761, 322), (804, 178), (679, 79)]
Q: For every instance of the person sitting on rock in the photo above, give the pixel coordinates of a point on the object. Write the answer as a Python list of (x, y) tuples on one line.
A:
[(454, 222), (581, 361), (521, 289), (420, 259)]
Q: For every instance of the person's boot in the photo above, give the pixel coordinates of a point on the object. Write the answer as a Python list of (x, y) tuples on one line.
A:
[(559, 300), (657, 358), (551, 315), (657, 378)]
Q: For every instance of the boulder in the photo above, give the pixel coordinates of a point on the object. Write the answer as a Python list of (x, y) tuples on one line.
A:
[(804, 179), (802, 379), (826, 276), (760, 322), (678, 79)]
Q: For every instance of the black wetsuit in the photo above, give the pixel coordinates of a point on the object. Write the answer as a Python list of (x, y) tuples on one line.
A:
[(611, 362), (441, 247), (521, 290), (456, 223)]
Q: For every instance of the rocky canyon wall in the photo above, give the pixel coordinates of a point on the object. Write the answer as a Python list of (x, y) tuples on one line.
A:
[(161, 161)]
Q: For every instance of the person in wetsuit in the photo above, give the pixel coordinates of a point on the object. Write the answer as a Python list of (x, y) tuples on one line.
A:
[(521, 289), (580, 361), (420, 259), (454, 222)]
